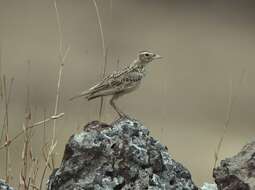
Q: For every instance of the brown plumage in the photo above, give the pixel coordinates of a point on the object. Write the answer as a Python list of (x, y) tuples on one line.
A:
[(121, 82)]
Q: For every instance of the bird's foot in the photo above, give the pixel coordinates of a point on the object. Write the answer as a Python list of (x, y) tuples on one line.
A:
[(121, 117), (124, 116)]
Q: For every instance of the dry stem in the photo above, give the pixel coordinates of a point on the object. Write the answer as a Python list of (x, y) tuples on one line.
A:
[(47, 162), (30, 127), (27, 136), (7, 94), (62, 59), (104, 50), (1, 84), (232, 99)]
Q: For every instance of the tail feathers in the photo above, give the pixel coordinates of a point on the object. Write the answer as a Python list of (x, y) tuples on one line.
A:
[(83, 94), (92, 97), (95, 93), (87, 96), (101, 94), (91, 92)]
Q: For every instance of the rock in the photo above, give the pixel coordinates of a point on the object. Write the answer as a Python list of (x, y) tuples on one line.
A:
[(4, 186), (120, 156), (209, 186), (237, 172)]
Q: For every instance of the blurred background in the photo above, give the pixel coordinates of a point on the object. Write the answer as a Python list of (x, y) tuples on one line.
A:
[(185, 96)]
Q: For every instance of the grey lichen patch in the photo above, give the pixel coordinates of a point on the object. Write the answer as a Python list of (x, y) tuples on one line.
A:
[(4, 185), (121, 156)]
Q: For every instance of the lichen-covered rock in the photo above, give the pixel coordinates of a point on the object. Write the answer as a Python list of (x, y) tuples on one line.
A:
[(121, 156), (4, 186), (238, 172), (209, 186)]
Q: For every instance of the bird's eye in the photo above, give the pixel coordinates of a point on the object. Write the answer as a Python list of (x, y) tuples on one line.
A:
[(147, 55)]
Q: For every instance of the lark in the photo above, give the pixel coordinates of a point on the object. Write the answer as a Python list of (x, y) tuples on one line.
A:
[(121, 82)]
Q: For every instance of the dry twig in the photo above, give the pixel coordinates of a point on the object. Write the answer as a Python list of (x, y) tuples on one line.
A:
[(37, 124), (232, 100), (7, 95), (62, 57), (46, 164), (105, 52)]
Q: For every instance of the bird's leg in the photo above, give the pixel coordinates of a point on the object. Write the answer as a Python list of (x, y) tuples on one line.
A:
[(112, 103)]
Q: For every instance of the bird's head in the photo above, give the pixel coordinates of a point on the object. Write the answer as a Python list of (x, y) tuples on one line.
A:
[(145, 57)]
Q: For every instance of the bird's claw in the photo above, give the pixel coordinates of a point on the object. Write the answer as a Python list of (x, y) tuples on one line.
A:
[(124, 116)]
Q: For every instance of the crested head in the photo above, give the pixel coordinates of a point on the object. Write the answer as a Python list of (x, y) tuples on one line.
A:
[(145, 57)]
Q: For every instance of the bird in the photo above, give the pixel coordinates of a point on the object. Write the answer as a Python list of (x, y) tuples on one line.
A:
[(121, 82)]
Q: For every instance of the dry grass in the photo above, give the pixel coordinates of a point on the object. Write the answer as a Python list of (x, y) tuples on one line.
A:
[(226, 124), (29, 171), (30, 168), (105, 53), (231, 101), (6, 97), (62, 56), (29, 177)]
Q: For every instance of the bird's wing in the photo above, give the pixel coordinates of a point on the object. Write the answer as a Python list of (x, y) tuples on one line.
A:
[(92, 90), (112, 81), (116, 87)]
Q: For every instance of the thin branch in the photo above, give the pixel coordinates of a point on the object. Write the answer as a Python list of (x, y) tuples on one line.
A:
[(226, 124), (44, 154), (7, 95), (111, 10), (44, 127), (100, 27), (28, 107), (104, 72), (65, 54), (232, 99), (6, 129), (27, 136), (104, 53), (60, 74), (57, 101), (1, 84), (118, 64), (33, 172), (7, 101), (30, 127), (60, 33), (47, 162)]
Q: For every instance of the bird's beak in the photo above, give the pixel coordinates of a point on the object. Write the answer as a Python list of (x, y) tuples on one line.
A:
[(157, 56)]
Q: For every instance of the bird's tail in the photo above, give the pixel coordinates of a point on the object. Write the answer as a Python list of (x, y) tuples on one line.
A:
[(101, 94), (83, 94)]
